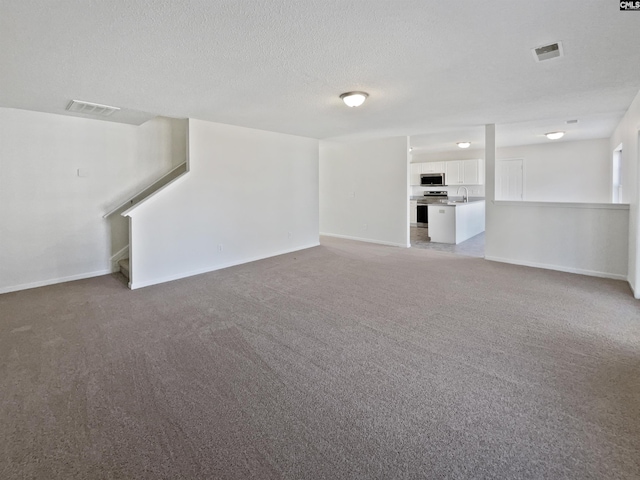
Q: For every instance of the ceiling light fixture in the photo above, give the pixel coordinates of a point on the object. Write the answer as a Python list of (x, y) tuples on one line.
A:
[(554, 135), (464, 144), (354, 99)]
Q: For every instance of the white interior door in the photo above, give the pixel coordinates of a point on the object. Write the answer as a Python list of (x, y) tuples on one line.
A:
[(509, 180)]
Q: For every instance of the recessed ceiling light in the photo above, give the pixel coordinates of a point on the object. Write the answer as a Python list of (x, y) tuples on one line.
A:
[(554, 135), (354, 99), (464, 144)]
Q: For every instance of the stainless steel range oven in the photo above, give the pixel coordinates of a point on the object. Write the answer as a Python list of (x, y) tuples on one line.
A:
[(423, 205)]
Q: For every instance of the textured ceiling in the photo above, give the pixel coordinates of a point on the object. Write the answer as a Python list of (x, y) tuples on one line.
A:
[(429, 66), (519, 133)]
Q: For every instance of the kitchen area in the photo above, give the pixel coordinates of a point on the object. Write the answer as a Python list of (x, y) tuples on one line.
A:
[(447, 206)]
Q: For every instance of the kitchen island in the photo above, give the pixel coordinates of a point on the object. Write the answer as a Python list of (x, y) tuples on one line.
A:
[(455, 222)]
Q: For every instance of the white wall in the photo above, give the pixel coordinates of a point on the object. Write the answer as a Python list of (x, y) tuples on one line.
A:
[(627, 133), (580, 238), (252, 192), (364, 190), (565, 171), (51, 225), (585, 238), (577, 171), (161, 144), (457, 154)]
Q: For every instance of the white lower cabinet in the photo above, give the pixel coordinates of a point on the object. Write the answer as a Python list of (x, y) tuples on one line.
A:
[(413, 209), (456, 223)]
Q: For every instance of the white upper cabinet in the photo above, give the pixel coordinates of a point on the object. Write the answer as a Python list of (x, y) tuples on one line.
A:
[(454, 173), (465, 172), (458, 172), (471, 172), (433, 167), (427, 167), (415, 171)]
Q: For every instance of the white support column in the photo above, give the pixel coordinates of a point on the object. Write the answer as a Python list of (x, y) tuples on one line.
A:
[(634, 248), (490, 161), (408, 194), (490, 184)]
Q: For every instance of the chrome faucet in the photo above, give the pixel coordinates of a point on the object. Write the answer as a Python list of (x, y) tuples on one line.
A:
[(465, 197)]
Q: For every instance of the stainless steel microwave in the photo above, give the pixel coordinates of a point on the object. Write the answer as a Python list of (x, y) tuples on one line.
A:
[(430, 179)]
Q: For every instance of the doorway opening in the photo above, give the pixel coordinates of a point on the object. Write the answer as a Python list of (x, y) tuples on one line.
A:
[(510, 180)]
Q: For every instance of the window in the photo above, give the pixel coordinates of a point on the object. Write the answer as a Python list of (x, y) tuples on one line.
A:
[(616, 190)]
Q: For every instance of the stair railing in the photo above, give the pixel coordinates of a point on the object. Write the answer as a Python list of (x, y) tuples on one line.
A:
[(143, 193)]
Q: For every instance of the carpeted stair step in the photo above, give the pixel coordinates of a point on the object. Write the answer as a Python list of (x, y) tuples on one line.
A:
[(124, 267)]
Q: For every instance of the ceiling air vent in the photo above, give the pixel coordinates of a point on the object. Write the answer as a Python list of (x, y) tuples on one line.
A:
[(547, 52), (88, 108)]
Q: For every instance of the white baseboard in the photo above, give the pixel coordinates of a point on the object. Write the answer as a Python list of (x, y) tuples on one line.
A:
[(367, 240), (559, 268), (53, 281), (178, 276)]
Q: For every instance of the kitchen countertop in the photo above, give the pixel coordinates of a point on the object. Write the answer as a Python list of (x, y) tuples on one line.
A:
[(457, 203)]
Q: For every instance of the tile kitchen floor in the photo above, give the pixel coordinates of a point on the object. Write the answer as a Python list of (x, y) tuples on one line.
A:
[(474, 247)]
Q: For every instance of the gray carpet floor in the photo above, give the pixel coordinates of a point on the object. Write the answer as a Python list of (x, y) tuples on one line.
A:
[(344, 361)]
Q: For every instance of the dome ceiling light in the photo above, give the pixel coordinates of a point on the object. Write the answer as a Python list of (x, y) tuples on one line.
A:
[(354, 99), (464, 144), (554, 135)]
